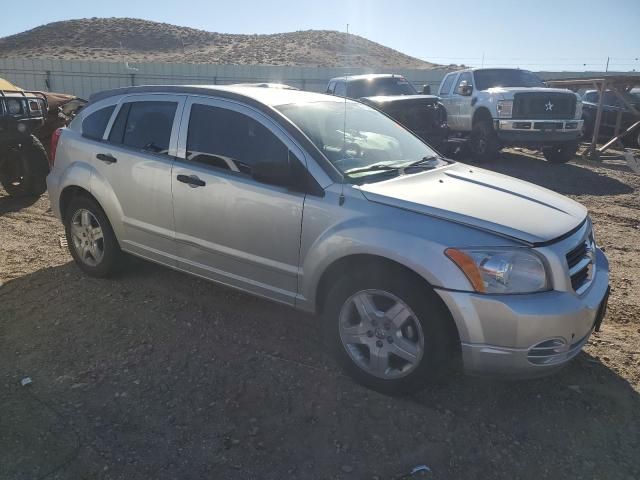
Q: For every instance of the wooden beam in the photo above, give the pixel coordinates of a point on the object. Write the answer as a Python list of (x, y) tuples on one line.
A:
[(618, 137)]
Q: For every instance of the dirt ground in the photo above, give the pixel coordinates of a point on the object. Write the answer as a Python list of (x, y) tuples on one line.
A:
[(158, 375)]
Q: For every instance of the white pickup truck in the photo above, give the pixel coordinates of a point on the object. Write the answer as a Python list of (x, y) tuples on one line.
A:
[(499, 107)]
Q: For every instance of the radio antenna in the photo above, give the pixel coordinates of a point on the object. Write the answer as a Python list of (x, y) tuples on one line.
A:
[(344, 120)]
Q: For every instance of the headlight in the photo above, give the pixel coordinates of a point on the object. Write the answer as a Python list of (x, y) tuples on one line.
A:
[(14, 106), (505, 270), (578, 109), (505, 108)]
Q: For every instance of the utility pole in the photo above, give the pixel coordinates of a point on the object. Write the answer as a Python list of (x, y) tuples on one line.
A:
[(607, 67)]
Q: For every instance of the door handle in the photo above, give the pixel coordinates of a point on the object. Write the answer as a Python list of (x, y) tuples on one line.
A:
[(106, 158), (191, 180)]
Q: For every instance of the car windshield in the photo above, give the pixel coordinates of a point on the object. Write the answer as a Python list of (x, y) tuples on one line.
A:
[(358, 140), (505, 78), (380, 86)]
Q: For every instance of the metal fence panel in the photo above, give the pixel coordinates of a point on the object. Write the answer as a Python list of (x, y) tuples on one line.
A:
[(82, 78)]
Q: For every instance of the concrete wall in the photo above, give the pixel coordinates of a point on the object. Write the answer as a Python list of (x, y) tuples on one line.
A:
[(84, 78)]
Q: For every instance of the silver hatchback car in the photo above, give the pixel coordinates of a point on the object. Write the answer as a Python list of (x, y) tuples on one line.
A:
[(330, 206)]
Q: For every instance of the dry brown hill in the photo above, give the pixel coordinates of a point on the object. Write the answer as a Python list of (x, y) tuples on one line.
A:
[(135, 40)]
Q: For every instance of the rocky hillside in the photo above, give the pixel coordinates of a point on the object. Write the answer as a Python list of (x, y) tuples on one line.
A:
[(135, 40)]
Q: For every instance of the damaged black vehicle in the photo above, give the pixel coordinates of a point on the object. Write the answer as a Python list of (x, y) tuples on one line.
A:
[(23, 159), (395, 96)]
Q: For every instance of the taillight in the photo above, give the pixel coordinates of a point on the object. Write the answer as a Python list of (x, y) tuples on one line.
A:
[(54, 146)]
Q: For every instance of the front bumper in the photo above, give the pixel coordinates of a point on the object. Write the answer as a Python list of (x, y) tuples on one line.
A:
[(529, 335), (544, 132)]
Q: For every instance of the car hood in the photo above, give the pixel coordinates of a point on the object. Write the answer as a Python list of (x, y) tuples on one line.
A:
[(528, 89), (482, 199), (401, 98)]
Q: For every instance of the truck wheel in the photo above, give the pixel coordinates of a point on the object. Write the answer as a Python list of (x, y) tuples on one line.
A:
[(561, 153), (484, 142), (92, 242), (25, 169), (387, 331)]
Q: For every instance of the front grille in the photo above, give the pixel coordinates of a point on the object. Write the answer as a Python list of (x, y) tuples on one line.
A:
[(540, 105), (580, 263)]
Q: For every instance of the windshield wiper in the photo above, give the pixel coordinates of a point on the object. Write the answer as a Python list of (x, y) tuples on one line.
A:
[(372, 168), (422, 161)]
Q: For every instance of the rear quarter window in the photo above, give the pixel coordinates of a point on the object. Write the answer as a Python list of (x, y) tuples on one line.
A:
[(144, 125), (94, 124)]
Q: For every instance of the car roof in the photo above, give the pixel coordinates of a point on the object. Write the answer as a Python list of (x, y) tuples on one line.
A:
[(272, 97), (368, 76), (478, 69)]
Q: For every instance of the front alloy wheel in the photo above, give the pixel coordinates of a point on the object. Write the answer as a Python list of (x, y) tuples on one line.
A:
[(381, 334), (388, 329)]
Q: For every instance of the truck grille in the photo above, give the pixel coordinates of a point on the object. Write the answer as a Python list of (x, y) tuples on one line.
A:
[(539, 105), (580, 262)]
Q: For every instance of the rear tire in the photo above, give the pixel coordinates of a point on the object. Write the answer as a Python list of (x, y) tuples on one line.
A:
[(561, 153), (383, 356), (484, 142), (25, 169), (92, 242)]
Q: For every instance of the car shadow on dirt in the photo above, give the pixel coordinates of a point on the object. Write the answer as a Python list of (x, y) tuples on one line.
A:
[(14, 204), (567, 179), (162, 375)]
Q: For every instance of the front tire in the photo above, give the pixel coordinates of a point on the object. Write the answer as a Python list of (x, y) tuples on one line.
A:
[(388, 330), (561, 153), (484, 142), (25, 169), (92, 242)]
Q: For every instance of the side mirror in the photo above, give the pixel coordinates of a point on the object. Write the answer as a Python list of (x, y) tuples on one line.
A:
[(465, 89), (272, 172), (426, 89)]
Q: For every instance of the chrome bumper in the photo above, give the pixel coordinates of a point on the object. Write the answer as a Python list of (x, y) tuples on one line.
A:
[(526, 335), (540, 125)]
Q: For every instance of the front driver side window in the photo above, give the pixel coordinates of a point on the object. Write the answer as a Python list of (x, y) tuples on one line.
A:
[(230, 140)]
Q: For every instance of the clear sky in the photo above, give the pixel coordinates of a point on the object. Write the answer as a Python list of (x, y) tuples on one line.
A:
[(532, 34)]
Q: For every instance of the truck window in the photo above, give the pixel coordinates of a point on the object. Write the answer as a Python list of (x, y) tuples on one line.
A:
[(445, 90), (380, 86), (464, 76), (341, 89), (331, 86), (505, 77)]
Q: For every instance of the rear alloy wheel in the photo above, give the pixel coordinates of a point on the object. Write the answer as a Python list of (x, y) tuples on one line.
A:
[(91, 240), (484, 142), (388, 330), (561, 153), (25, 169)]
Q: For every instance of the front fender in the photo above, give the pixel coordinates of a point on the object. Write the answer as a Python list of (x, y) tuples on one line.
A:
[(414, 241)]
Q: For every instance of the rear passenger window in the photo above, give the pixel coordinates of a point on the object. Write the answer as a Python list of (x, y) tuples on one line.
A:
[(446, 86), (230, 140), (93, 125), (144, 125), (341, 89)]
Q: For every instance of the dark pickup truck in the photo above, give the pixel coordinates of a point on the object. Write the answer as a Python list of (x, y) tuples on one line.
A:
[(392, 94)]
